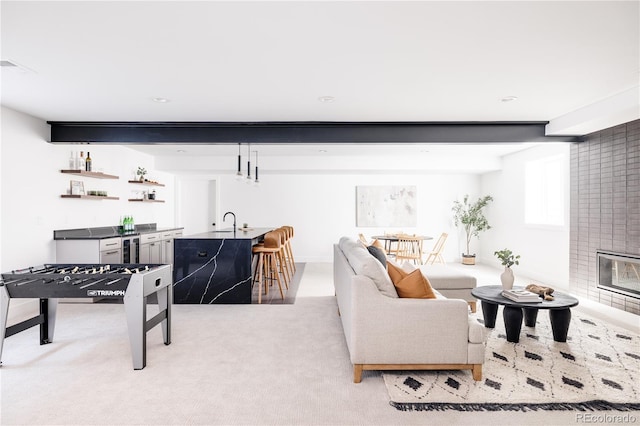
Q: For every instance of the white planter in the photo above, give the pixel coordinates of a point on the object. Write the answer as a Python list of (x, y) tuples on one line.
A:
[(507, 278)]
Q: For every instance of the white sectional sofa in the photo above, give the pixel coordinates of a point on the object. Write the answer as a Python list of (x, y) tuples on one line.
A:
[(451, 283), (385, 332)]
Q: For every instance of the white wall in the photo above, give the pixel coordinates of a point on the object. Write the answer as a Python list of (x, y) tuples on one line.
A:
[(544, 250), (31, 185), (322, 207)]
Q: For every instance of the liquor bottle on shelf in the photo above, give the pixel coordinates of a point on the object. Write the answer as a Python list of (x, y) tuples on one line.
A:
[(73, 162), (88, 162), (81, 163)]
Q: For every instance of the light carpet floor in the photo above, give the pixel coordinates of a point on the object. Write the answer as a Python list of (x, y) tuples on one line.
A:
[(227, 364)]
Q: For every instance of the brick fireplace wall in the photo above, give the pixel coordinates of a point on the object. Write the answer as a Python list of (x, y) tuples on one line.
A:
[(605, 207)]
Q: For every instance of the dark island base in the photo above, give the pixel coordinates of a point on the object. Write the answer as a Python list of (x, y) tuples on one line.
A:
[(214, 268)]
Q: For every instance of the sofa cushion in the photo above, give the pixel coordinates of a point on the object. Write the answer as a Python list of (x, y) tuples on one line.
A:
[(378, 253), (410, 285), (395, 271), (363, 263), (444, 278)]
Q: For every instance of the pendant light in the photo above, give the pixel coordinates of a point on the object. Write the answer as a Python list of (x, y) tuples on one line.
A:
[(257, 182), (239, 173), (248, 163)]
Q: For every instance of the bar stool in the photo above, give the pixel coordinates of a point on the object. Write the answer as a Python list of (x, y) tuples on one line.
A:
[(288, 249), (283, 265), (267, 267)]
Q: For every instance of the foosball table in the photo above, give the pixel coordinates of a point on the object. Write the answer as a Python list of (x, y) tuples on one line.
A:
[(133, 283)]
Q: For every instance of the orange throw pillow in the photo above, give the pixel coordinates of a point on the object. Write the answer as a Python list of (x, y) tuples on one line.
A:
[(395, 272), (410, 285)]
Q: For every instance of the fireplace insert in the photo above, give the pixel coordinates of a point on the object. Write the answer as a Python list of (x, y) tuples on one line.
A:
[(619, 273)]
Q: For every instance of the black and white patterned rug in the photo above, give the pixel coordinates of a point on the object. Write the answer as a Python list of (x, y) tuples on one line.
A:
[(598, 368)]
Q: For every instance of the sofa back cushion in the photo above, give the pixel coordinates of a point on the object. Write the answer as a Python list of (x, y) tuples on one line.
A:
[(363, 263)]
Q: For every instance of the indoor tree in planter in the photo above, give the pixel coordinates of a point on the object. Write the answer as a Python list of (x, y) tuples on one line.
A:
[(508, 259), (473, 221)]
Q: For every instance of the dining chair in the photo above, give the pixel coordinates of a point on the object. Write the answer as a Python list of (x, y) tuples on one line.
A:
[(436, 252), (409, 248)]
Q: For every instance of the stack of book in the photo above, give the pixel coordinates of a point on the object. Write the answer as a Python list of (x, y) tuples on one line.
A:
[(524, 296)]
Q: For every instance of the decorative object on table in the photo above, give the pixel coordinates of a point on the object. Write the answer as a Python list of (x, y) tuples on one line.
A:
[(544, 292), (141, 172), (394, 206), (535, 374), (473, 221), (77, 187), (508, 259), (522, 296)]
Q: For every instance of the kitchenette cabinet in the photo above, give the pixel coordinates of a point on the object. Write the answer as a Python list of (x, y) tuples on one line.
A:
[(104, 251), (107, 245), (151, 248), (167, 245)]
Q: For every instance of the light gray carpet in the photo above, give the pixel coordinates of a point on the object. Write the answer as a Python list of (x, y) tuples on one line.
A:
[(227, 364), (597, 368)]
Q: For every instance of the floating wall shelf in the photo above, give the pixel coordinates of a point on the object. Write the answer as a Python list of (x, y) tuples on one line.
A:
[(97, 175), (146, 201), (146, 183), (90, 197)]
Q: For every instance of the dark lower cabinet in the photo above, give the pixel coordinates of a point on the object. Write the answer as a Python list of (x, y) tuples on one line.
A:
[(213, 270)]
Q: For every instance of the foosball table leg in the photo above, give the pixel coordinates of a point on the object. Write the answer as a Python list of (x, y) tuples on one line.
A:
[(48, 310), (136, 309), (4, 315), (164, 303)]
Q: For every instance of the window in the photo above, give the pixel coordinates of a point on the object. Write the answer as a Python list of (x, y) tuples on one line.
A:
[(544, 191)]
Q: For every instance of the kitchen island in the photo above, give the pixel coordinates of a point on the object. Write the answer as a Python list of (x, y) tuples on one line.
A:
[(214, 267)]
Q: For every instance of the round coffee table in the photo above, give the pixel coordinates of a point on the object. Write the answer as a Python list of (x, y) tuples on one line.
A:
[(559, 312)]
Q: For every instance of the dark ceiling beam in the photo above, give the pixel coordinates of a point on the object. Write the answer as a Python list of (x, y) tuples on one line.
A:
[(299, 132)]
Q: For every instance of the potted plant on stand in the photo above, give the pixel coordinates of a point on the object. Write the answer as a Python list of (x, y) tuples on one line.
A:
[(472, 219), (508, 259)]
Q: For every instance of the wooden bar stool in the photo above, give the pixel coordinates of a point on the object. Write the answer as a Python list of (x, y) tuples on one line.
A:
[(267, 269), (283, 265), (288, 249)]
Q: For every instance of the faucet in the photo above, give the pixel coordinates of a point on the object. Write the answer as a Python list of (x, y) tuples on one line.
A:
[(234, 220)]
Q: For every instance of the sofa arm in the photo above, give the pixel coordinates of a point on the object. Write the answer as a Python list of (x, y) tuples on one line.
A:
[(476, 331), (406, 331)]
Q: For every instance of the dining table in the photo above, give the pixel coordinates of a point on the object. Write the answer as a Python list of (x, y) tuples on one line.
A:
[(391, 238)]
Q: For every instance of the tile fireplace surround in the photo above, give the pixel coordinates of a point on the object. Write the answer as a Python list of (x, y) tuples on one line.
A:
[(605, 208)]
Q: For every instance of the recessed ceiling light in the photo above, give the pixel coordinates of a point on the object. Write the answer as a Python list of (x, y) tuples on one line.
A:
[(181, 151), (322, 150), (509, 99), (160, 100), (326, 99)]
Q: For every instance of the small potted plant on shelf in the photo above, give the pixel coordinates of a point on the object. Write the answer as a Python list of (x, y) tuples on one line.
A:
[(473, 221), (141, 173), (508, 259)]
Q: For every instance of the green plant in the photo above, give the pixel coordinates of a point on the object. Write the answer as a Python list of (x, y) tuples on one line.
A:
[(471, 216), (141, 171), (507, 257)]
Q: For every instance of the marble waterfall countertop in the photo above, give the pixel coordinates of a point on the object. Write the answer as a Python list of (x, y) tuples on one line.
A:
[(229, 234)]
